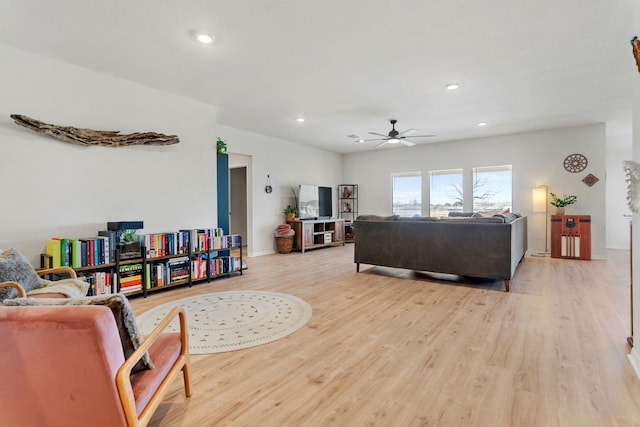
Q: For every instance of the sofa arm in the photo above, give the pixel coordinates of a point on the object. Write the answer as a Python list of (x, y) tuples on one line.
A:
[(123, 382)]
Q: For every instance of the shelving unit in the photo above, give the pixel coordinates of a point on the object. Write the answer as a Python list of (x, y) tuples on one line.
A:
[(348, 208), (313, 234), (182, 265)]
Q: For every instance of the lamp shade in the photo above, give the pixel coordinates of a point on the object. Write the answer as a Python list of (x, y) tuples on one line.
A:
[(540, 198)]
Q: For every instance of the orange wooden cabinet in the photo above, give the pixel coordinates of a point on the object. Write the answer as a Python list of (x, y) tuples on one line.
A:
[(571, 236)]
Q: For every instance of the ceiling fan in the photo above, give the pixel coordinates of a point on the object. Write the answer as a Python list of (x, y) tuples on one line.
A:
[(394, 137)]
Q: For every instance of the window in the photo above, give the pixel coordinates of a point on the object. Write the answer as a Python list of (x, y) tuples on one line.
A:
[(445, 189), (407, 194), (492, 188)]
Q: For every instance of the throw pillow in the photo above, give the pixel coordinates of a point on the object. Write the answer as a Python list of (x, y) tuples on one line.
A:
[(14, 267), (122, 313)]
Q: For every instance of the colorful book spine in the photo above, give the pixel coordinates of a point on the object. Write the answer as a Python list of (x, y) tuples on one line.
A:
[(53, 250)]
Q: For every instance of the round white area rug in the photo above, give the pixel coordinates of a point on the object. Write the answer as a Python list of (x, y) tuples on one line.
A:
[(233, 320)]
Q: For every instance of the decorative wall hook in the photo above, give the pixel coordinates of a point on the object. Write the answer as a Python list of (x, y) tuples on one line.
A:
[(268, 188)]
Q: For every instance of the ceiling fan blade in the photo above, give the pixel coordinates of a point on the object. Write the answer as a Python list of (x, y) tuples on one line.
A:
[(418, 136), (410, 130), (379, 134), (407, 143), (381, 144), (376, 139)]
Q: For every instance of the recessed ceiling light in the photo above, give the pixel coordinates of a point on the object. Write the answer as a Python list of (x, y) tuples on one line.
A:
[(452, 86), (205, 38), (299, 119), (482, 124)]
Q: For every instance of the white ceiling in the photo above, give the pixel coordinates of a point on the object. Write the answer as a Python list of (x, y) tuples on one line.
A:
[(348, 66)]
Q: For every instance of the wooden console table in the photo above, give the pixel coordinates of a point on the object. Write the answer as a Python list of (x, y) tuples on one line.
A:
[(319, 233)]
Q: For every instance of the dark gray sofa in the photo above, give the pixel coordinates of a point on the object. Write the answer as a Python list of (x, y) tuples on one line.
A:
[(476, 247)]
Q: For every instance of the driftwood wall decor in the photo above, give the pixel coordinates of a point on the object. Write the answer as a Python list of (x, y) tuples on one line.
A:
[(94, 137)]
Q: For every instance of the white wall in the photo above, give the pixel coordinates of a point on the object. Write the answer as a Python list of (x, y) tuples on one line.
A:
[(288, 164), (537, 158), (53, 188), (618, 149), (635, 352)]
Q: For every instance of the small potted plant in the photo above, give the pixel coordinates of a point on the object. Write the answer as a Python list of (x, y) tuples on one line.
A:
[(221, 145), (560, 203), (290, 212)]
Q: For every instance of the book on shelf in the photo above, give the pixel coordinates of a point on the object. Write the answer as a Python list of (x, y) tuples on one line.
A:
[(75, 257), (156, 274), (130, 289), (64, 250), (166, 244), (100, 282), (52, 249), (110, 245), (130, 277)]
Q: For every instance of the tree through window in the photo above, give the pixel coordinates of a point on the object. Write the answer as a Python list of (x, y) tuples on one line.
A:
[(492, 189), (445, 192)]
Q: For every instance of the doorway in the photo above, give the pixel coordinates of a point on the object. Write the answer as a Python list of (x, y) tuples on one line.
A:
[(239, 197)]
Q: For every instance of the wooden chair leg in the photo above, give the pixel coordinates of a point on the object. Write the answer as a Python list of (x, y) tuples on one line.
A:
[(186, 375), (506, 285)]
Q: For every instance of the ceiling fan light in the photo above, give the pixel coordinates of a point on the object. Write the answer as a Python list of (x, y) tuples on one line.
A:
[(205, 38), (393, 141)]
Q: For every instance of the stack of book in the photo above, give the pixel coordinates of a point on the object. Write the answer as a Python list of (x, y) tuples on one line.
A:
[(78, 253), (100, 282), (169, 272), (130, 277)]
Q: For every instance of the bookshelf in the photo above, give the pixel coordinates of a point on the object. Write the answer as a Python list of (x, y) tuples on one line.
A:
[(348, 208), (165, 260)]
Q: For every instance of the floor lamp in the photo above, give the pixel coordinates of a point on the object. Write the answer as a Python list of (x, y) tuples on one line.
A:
[(540, 205)]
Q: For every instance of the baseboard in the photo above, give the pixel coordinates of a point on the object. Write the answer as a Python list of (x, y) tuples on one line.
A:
[(261, 253), (634, 358), (538, 254)]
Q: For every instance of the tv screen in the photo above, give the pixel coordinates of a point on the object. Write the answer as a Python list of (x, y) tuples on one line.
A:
[(308, 202), (325, 203), (315, 202)]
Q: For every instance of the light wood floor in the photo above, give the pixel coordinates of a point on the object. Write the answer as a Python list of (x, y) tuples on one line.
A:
[(390, 347)]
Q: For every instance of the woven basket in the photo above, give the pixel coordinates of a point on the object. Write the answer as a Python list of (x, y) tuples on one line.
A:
[(285, 244)]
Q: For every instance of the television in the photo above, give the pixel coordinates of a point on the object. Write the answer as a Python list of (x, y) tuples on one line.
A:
[(315, 202)]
